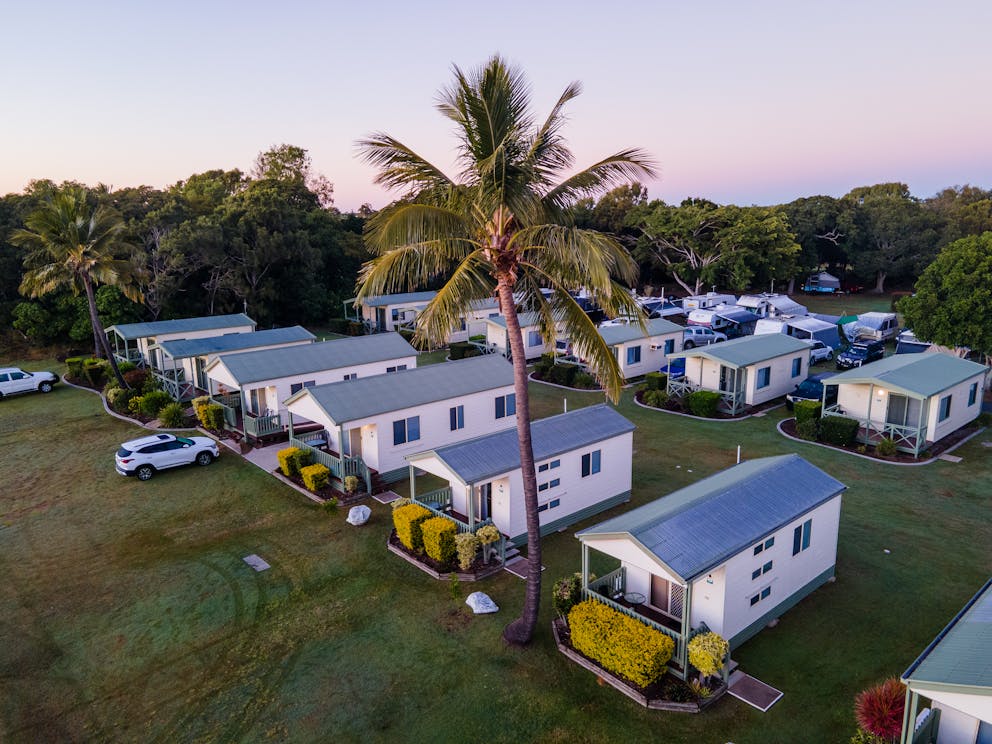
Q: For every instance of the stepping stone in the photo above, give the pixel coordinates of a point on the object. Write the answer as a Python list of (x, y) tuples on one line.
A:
[(256, 562), (386, 497), (518, 567), (752, 691), (949, 458)]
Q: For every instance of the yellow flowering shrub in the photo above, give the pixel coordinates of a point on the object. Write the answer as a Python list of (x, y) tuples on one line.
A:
[(619, 643), (407, 520), (315, 476), (439, 539), (706, 653)]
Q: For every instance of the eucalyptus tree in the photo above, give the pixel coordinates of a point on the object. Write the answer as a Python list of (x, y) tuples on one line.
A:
[(72, 245), (502, 227)]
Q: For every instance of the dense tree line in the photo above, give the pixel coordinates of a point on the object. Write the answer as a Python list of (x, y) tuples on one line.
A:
[(269, 242), (877, 236)]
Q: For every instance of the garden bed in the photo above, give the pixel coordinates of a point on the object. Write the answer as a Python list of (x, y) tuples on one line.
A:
[(429, 566), (658, 696), (788, 427), (675, 405), (326, 493)]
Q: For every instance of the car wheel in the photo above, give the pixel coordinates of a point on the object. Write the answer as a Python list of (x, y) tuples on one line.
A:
[(204, 458), (830, 355), (718, 340), (144, 472), (45, 387), (688, 345)]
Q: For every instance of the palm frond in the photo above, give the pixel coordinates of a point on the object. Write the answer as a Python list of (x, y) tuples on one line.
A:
[(470, 282), (588, 344), (411, 223), (585, 257), (619, 168), (399, 167), (548, 154)]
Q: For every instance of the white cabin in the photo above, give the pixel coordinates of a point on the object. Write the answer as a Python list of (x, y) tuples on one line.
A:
[(641, 351), (139, 342)]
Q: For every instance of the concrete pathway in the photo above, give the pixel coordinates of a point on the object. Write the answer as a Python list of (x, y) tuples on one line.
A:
[(265, 457)]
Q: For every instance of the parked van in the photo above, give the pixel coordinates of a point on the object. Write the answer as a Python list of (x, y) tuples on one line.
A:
[(879, 326)]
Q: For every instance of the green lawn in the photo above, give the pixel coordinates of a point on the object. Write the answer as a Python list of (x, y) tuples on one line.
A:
[(128, 614)]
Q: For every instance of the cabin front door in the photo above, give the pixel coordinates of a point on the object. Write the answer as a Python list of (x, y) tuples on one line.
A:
[(484, 504), (355, 442), (659, 592)]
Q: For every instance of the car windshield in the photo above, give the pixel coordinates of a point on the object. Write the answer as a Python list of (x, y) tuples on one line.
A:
[(810, 388), (184, 440), (858, 351), (123, 452)]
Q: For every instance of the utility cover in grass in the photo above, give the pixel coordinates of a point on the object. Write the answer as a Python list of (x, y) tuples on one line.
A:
[(256, 562), (481, 603)]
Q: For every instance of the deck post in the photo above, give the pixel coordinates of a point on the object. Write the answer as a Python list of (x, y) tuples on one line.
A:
[(471, 507), (686, 613), (585, 566), (919, 429), (871, 395), (289, 422), (413, 482)]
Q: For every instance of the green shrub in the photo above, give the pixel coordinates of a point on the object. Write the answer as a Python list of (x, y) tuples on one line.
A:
[(655, 398), (95, 370), (866, 737), (567, 593), (213, 417), (198, 405), (120, 399), (331, 505), (656, 381), (134, 404), (289, 461), (401, 501), (136, 378), (466, 545), (620, 644), (585, 381), (809, 430), (350, 483), (438, 535), (75, 366), (339, 325), (703, 403), (807, 410), (707, 652), (838, 430), (460, 350), (171, 415), (407, 520), (542, 367), (125, 367), (315, 476), (155, 401), (562, 374), (886, 447)]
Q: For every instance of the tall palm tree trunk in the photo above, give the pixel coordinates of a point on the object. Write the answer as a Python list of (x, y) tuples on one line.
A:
[(520, 631), (98, 333)]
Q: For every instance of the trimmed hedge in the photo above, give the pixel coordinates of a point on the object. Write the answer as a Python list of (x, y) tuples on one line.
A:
[(315, 476), (438, 535), (292, 460), (466, 545), (655, 398), (585, 381), (809, 430), (567, 593), (886, 447), (656, 381), (838, 430), (562, 374), (543, 366), (463, 350), (136, 378), (213, 417), (407, 520), (75, 366), (171, 415), (807, 410), (620, 644), (703, 403), (95, 370)]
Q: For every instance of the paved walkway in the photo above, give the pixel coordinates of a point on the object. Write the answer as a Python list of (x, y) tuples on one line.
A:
[(265, 457)]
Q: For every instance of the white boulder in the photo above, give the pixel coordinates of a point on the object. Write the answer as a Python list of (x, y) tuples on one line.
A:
[(481, 603), (358, 515)]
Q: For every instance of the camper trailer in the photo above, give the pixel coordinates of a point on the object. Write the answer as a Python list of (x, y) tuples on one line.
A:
[(878, 326), (822, 283), (707, 301), (732, 320), (768, 305)]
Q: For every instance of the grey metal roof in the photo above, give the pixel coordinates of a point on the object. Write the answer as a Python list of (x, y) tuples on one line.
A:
[(748, 350), (699, 527), (398, 299), (487, 456), (525, 319), (132, 331), (918, 375), (367, 396), (962, 653), (272, 364), (193, 347), (810, 323), (621, 334)]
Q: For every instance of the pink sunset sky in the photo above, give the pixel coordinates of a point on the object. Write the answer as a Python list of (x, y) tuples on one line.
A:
[(751, 103)]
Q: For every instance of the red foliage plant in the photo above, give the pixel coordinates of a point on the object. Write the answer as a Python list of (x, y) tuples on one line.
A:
[(879, 709)]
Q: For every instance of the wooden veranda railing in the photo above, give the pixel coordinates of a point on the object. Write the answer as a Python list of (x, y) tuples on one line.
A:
[(260, 426), (340, 467), (439, 504)]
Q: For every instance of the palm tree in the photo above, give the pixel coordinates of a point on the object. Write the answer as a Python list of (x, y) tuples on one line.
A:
[(503, 228), (71, 246)]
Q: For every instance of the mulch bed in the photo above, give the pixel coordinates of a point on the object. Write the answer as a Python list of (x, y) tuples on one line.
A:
[(478, 570), (668, 693), (328, 492), (935, 450)]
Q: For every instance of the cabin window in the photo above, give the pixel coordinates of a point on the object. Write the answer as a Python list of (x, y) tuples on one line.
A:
[(406, 430), (756, 573), (534, 338), (548, 466), (764, 377), (765, 545), (763, 594), (633, 355), (591, 463), (351, 376), (801, 537), (457, 416), (972, 394), (669, 346), (506, 405), (397, 368), (298, 386), (797, 367), (945, 408)]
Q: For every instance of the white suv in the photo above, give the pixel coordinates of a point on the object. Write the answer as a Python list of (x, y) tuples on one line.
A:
[(144, 457), (14, 380), (819, 351), (693, 336)]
